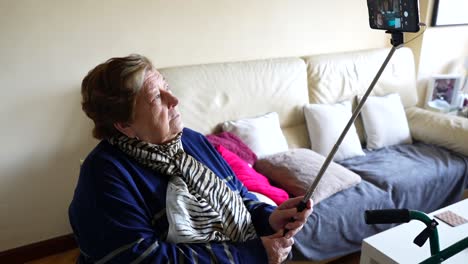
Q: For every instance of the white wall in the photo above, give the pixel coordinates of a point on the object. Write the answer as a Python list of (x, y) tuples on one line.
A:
[(48, 46)]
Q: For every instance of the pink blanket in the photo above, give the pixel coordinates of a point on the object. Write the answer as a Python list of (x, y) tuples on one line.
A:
[(252, 180), (233, 144)]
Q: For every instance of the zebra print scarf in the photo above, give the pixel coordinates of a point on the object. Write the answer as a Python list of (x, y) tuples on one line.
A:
[(200, 206)]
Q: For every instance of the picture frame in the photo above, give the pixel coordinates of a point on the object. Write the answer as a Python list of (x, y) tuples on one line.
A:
[(443, 92), (449, 13)]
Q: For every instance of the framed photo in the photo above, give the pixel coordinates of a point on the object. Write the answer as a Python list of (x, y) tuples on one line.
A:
[(450, 13), (442, 92)]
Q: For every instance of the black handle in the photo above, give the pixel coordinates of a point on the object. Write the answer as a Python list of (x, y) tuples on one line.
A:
[(300, 207), (387, 216)]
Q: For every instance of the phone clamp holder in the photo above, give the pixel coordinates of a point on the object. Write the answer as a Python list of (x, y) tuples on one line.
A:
[(397, 37)]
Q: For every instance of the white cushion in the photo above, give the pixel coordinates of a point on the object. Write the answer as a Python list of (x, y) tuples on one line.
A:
[(385, 122), (325, 123), (264, 199), (262, 134), (441, 129)]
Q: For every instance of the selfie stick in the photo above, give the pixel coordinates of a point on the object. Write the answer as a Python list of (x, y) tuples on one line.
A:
[(397, 42)]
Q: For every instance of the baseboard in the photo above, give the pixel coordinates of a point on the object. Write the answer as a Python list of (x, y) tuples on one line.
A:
[(38, 250)]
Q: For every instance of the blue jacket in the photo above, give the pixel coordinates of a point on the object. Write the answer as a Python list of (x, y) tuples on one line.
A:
[(118, 211)]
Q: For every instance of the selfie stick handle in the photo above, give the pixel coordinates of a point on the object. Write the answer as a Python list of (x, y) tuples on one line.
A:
[(397, 41)]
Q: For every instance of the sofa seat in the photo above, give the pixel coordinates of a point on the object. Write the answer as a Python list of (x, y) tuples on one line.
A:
[(329, 232), (419, 176)]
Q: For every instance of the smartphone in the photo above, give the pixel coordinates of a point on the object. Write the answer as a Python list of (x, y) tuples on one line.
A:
[(394, 15)]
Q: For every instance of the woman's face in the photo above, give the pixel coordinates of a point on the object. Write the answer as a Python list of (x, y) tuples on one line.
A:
[(156, 119)]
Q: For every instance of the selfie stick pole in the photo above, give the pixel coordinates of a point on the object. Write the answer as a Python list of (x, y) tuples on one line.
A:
[(397, 42)]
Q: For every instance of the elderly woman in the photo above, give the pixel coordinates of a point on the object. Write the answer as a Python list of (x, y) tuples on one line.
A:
[(154, 191)]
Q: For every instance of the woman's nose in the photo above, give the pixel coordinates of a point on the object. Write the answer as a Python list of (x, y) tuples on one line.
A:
[(171, 99)]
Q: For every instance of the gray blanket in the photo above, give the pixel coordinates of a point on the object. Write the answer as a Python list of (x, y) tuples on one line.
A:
[(417, 176)]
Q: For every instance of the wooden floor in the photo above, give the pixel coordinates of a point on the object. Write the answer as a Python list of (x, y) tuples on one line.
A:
[(349, 259), (69, 257)]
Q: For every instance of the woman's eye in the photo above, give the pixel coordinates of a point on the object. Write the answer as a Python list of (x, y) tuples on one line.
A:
[(157, 97)]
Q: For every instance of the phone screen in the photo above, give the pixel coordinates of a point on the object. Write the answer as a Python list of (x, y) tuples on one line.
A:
[(394, 15)]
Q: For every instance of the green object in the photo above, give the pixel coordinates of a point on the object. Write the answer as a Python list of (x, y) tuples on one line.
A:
[(434, 235), (437, 256), (448, 252)]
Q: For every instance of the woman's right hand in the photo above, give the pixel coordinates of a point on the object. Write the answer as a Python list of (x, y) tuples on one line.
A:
[(277, 247)]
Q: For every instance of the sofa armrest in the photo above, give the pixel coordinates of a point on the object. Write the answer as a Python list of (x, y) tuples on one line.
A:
[(445, 130)]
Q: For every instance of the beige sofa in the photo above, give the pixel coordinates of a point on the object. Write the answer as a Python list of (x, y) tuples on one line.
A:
[(213, 93)]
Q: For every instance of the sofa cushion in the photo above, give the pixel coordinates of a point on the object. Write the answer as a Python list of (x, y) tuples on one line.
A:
[(385, 122), (251, 179), (432, 127), (325, 123), (296, 169), (341, 76), (262, 133)]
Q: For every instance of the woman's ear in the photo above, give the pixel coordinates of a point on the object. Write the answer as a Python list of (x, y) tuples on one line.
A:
[(125, 129)]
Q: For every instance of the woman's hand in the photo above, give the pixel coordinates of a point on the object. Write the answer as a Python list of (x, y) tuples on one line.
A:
[(281, 216), (277, 247)]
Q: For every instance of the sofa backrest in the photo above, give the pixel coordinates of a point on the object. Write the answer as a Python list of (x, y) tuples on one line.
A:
[(210, 94), (339, 77)]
